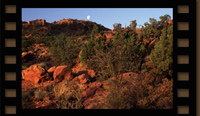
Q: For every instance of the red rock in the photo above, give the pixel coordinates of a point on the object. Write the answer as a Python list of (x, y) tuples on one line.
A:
[(35, 74), (149, 64), (42, 44), (129, 74), (170, 22), (46, 51), (51, 70), (91, 73), (24, 54), (92, 97), (31, 52), (90, 91), (145, 41), (82, 79), (62, 72), (152, 44), (96, 100), (109, 36)]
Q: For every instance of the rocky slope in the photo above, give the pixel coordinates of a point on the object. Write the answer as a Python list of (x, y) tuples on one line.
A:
[(46, 86)]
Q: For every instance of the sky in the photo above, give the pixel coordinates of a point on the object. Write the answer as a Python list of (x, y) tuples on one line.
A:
[(104, 16)]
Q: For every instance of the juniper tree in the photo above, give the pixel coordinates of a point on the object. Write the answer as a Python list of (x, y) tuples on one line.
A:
[(133, 24), (161, 57)]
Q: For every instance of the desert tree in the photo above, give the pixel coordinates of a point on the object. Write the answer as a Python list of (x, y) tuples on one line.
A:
[(133, 24), (162, 55)]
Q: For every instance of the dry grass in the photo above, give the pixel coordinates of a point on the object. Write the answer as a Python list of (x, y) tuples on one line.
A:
[(68, 95), (139, 93)]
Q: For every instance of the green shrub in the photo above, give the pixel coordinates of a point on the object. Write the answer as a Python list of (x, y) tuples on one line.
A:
[(64, 50), (25, 43), (162, 56), (112, 58), (37, 25), (24, 50)]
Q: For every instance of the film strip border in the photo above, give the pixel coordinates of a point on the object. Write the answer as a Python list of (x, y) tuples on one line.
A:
[(10, 58), (184, 57)]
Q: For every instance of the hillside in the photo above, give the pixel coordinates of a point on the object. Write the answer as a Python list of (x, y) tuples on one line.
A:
[(78, 64), (71, 26)]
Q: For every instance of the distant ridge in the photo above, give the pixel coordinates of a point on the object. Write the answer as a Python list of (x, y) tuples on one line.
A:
[(71, 26)]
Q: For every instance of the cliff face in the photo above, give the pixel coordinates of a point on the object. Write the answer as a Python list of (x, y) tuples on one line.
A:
[(41, 22)]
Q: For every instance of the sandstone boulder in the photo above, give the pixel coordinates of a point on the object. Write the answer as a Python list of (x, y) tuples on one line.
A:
[(90, 91), (91, 73), (62, 72), (95, 101), (93, 96), (51, 70), (35, 74), (82, 79), (129, 76)]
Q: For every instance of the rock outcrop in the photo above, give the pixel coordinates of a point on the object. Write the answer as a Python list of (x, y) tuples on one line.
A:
[(35, 74), (62, 72), (82, 79), (42, 22)]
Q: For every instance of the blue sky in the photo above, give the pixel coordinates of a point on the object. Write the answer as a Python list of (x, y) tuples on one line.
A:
[(104, 16)]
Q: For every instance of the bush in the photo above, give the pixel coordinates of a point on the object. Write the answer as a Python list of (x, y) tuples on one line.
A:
[(139, 93), (161, 56), (119, 96), (112, 58), (37, 25), (64, 50), (40, 94), (27, 99), (68, 95)]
